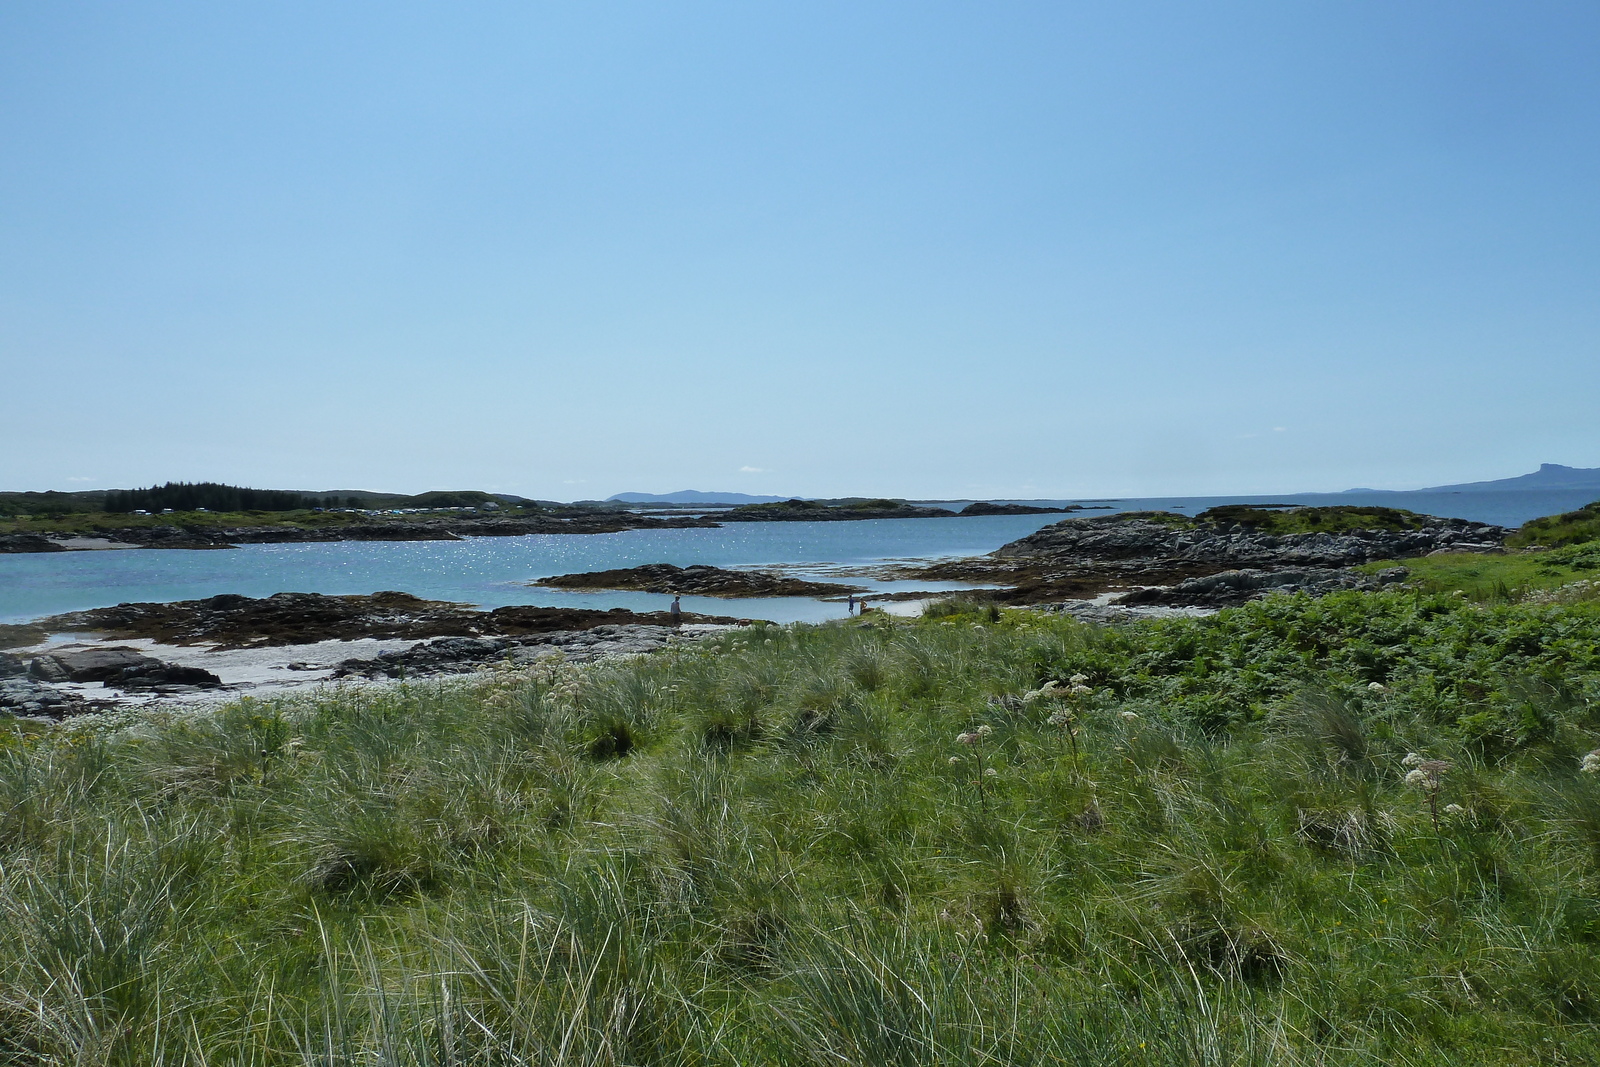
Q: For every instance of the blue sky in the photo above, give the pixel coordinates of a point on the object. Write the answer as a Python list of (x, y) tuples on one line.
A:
[(921, 250)]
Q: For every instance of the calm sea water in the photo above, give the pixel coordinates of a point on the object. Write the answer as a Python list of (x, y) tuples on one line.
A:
[(493, 571)]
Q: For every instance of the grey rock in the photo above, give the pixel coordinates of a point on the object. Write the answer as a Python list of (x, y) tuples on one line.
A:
[(12, 666), (48, 669), (89, 665), (1229, 588), (1111, 537), (28, 698), (454, 655), (163, 675), (28, 542)]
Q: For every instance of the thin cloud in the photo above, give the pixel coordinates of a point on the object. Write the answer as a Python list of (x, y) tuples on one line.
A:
[(752, 470)]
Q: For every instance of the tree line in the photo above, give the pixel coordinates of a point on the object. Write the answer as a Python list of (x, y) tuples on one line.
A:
[(191, 496)]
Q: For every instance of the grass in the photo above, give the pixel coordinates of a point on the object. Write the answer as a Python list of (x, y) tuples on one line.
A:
[(1291, 520), (1571, 528), (1509, 577), (773, 849), (1556, 557), (1338, 518)]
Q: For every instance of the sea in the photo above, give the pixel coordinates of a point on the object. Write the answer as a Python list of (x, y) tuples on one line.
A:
[(496, 571)]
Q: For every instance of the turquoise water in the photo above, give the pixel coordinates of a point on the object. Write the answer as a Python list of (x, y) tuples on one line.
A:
[(493, 571)]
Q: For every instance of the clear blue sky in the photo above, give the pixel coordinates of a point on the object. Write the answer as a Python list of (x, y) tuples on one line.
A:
[(997, 249)]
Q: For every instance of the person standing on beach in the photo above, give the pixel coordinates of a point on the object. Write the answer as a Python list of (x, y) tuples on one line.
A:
[(676, 611), (851, 610)]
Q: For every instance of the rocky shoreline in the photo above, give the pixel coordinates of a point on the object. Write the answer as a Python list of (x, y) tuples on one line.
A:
[(226, 645), (697, 580), (233, 621), (453, 528), (456, 527), (1157, 558), (1103, 568)]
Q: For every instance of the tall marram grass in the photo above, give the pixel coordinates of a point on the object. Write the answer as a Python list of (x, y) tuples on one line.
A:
[(775, 848)]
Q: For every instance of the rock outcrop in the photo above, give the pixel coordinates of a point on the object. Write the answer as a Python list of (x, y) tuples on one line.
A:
[(815, 511), (1115, 538), (442, 528), (233, 621), (1081, 558), (1227, 588), (90, 664), (983, 508), (697, 580), (451, 655), (27, 697)]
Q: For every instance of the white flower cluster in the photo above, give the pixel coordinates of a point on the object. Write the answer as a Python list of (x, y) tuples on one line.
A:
[(1377, 687), (1047, 689), (1591, 763), (1129, 716), (1425, 774), (563, 680), (1077, 686), (1583, 589), (973, 737)]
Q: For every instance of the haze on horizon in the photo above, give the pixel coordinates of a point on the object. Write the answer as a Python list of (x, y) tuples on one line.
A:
[(950, 251)]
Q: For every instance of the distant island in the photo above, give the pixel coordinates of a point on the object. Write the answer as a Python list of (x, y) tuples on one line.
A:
[(213, 515), (1548, 476)]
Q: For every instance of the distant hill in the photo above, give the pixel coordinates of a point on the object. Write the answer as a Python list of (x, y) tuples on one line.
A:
[(1548, 476), (182, 496), (694, 496)]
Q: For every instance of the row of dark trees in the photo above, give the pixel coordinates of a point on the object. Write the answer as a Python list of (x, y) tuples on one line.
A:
[(188, 496)]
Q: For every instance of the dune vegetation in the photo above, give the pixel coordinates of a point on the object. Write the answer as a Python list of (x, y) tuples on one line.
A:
[(1361, 829)]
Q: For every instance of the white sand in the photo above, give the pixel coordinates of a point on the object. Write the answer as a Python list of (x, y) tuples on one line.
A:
[(260, 672)]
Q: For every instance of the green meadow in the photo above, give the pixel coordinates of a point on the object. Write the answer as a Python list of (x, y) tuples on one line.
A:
[(1349, 830)]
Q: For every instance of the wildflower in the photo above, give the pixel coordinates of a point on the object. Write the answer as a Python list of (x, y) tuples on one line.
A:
[(1412, 759), (990, 772), (1377, 687), (967, 738), (1454, 809), (1062, 717), (985, 730), (1129, 716), (1428, 775), (955, 761), (1080, 690), (1078, 679), (1591, 763)]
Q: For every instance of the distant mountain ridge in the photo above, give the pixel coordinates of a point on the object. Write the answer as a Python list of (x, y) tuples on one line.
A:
[(694, 496), (1548, 476)]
